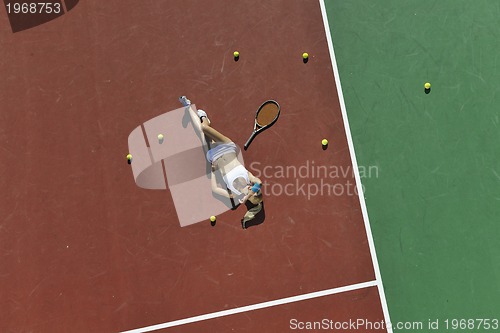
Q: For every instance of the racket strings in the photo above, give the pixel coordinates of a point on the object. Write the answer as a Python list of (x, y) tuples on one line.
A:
[(267, 115)]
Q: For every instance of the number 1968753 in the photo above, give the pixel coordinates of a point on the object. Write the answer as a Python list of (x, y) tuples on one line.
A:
[(33, 8)]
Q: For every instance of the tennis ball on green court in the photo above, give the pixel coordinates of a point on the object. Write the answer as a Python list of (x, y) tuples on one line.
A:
[(324, 142), (212, 218), (236, 54), (427, 85), (305, 55)]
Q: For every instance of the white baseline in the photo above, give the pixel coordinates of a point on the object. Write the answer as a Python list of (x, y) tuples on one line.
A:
[(255, 307)]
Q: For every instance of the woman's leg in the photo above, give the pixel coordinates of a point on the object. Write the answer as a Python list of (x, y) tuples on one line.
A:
[(213, 134), (203, 127)]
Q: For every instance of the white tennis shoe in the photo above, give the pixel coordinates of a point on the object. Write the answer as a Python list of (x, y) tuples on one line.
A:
[(184, 101), (202, 114)]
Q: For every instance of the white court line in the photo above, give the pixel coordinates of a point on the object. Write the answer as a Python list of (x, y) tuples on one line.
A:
[(378, 277), (255, 307)]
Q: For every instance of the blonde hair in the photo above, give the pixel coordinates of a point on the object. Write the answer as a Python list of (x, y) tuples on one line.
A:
[(252, 212)]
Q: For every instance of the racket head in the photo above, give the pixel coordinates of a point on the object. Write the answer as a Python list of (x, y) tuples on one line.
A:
[(267, 114)]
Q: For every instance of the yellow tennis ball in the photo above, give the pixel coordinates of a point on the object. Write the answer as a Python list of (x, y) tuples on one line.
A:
[(129, 157), (427, 85), (305, 55), (212, 218), (324, 142), (236, 54), (160, 137)]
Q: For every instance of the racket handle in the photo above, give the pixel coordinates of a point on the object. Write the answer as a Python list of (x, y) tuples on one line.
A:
[(249, 140)]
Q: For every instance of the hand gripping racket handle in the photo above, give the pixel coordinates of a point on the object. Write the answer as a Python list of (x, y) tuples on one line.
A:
[(250, 140)]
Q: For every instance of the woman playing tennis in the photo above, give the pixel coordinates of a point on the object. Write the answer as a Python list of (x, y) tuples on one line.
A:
[(223, 158)]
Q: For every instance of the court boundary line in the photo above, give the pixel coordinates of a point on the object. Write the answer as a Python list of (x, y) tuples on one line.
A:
[(257, 306), (350, 143)]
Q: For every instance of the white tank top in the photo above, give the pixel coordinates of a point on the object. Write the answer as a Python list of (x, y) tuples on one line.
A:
[(238, 171)]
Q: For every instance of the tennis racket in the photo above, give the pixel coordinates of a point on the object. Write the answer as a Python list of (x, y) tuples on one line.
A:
[(266, 116)]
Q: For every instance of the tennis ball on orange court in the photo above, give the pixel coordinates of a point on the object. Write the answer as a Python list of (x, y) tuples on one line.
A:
[(305, 55), (212, 218), (324, 142), (427, 85), (236, 54), (129, 157)]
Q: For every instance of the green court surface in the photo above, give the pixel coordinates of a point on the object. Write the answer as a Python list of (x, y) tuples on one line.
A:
[(434, 205)]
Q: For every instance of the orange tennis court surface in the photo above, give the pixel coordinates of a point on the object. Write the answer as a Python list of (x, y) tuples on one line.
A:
[(86, 250)]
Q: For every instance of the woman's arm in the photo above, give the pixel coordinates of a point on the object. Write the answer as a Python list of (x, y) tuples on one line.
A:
[(245, 198), (216, 189), (253, 179)]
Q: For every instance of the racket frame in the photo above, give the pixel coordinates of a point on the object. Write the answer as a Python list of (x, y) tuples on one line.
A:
[(262, 128)]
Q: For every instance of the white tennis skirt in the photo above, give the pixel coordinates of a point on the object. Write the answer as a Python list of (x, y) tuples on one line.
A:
[(219, 150)]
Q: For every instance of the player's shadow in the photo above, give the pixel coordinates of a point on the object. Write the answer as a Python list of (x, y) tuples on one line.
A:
[(186, 119), (259, 218)]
